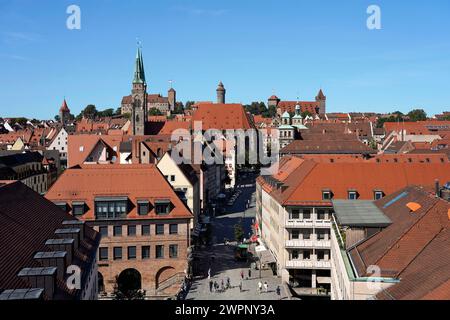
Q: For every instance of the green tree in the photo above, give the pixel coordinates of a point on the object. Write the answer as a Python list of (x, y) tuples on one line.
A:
[(57, 118), (270, 112), (89, 112), (106, 113), (179, 108), (417, 115), (189, 105), (154, 112), (118, 111)]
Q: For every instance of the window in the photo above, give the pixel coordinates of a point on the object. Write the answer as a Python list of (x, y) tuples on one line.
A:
[(78, 208), (160, 252), (295, 234), (378, 195), (162, 207), (143, 208), (111, 208), (295, 254), (131, 253), (306, 255), (326, 195), (306, 214), (103, 254), (145, 230), (352, 195), (172, 178), (321, 215), (146, 252), (132, 230), (173, 251), (295, 214), (103, 231), (173, 229), (117, 231), (159, 229), (306, 235), (117, 253), (320, 255)]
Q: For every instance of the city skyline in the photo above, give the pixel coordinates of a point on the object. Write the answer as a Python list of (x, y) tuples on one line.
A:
[(403, 66)]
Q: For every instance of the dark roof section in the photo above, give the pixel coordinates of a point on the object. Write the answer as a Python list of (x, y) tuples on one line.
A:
[(27, 221), (359, 213), (18, 159)]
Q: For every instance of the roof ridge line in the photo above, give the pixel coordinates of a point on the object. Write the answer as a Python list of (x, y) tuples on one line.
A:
[(403, 235)]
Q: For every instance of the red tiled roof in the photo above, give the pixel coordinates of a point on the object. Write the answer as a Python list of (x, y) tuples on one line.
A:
[(136, 182), (327, 147), (414, 248), (222, 117), (307, 182), (289, 106), (64, 107)]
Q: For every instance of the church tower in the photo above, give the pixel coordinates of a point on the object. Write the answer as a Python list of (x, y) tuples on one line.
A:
[(139, 94), (321, 99), (64, 113), (221, 93)]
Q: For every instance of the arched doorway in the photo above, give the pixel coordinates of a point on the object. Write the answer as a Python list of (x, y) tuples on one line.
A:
[(129, 280), (163, 275), (101, 284)]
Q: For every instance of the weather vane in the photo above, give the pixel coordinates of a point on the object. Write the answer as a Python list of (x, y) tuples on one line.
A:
[(139, 42)]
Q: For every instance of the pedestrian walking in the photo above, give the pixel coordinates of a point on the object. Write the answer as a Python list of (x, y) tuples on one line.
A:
[(249, 273), (228, 283), (209, 273), (222, 286), (266, 287), (211, 286), (242, 274), (278, 291), (240, 286), (216, 286), (259, 286)]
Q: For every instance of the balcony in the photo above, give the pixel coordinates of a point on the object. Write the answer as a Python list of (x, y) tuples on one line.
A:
[(308, 264), (325, 244), (297, 223)]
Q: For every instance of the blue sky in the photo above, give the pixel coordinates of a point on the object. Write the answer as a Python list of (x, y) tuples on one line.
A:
[(256, 48)]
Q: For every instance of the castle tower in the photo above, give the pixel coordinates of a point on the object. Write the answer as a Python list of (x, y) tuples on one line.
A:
[(321, 99), (139, 95), (273, 101), (221, 93), (172, 98), (64, 113)]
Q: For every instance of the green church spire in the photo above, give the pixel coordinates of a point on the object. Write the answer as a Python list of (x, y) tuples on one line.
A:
[(139, 73)]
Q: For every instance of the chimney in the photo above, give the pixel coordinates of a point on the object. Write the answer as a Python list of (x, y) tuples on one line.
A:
[(66, 245), (40, 278), (437, 188), (53, 259), (70, 224), (70, 233)]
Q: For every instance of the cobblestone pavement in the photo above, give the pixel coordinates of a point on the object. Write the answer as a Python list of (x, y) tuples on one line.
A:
[(225, 266)]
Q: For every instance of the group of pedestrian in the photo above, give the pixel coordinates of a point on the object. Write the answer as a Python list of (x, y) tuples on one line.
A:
[(224, 285)]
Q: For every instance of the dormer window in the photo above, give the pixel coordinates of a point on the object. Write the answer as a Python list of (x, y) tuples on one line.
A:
[(163, 206), (378, 194), (352, 195), (78, 208), (143, 207), (62, 206), (111, 208), (326, 195)]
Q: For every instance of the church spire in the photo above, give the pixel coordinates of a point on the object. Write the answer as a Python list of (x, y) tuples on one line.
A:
[(139, 73)]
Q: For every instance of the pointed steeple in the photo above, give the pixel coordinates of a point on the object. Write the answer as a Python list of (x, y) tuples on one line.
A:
[(139, 73)]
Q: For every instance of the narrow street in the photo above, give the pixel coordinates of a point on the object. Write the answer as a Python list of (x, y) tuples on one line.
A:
[(220, 257)]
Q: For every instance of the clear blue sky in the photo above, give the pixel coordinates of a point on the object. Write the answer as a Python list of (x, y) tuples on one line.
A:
[(254, 46)]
